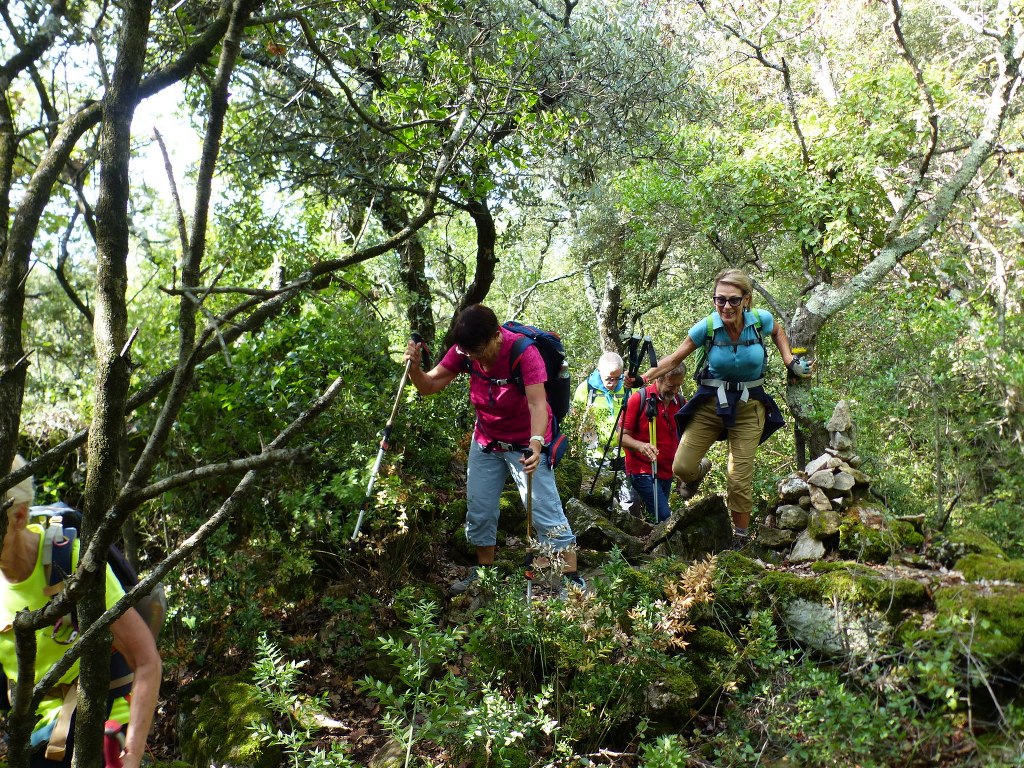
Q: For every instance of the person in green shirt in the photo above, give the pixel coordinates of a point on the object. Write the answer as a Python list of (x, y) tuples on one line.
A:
[(23, 582), (600, 398)]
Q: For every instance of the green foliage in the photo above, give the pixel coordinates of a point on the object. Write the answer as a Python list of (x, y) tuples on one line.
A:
[(599, 653), (277, 681), (423, 706), (816, 715), (665, 752)]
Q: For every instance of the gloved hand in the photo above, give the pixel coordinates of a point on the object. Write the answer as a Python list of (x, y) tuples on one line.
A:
[(799, 367)]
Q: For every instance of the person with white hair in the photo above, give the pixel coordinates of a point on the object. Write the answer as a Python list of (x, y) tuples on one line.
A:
[(23, 586), (600, 398)]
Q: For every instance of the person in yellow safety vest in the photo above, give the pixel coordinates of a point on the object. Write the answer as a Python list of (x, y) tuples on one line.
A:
[(600, 398), (23, 585)]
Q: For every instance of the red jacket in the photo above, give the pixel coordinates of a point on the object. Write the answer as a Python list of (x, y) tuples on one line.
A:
[(637, 424)]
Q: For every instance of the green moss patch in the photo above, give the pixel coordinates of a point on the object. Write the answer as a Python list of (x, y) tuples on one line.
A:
[(858, 584), (779, 586), (997, 614), (214, 720), (875, 545), (987, 568), (950, 548)]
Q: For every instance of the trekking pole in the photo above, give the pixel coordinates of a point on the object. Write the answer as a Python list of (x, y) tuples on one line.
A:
[(633, 361), (528, 572), (386, 436), (652, 435), (620, 417)]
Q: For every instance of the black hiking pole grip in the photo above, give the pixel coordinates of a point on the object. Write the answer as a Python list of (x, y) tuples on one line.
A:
[(385, 439)]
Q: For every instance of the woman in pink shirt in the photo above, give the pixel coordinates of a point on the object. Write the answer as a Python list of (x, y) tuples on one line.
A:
[(513, 426)]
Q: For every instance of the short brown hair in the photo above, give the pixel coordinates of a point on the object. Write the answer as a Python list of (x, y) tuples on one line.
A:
[(475, 326)]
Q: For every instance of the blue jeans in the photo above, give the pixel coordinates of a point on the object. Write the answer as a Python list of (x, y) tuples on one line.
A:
[(646, 488), (485, 479)]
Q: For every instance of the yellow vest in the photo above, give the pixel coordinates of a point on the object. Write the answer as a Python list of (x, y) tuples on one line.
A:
[(29, 594)]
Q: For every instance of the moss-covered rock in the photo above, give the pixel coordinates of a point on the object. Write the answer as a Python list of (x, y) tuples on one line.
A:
[(906, 533), (988, 568), (512, 514), (713, 642), (736, 580), (823, 523), (783, 587), (214, 716), (997, 614), (594, 531), (889, 596), (670, 698), (865, 542), (857, 584), (569, 478), (949, 548), (834, 628)]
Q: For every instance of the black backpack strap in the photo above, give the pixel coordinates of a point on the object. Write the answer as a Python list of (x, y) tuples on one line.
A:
[(515, 361), (515, 375), (61, 567), (641, 407)]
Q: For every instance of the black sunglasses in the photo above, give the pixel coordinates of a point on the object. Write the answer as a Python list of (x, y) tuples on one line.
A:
[(732, 301)]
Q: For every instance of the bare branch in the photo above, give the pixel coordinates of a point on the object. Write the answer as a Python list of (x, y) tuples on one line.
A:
[(968, 20), (523, 297), (74, 587), (59, 273), (179, 213), (933, 124)]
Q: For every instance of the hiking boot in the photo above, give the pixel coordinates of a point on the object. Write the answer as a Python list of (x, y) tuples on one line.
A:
[(459, 587), (739, 543), (572, 581), (688, 490)]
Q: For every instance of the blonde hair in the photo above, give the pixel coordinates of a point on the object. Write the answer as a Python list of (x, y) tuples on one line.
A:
[(24, 492), (738, 279)]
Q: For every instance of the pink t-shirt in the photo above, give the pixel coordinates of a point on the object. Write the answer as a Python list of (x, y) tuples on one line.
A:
[(502, 412)]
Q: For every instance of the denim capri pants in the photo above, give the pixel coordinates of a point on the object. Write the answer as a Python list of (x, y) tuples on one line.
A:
[(486, 475)]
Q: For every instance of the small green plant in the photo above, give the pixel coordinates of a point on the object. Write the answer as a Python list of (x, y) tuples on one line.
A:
[(300, 717), (425, 706), (665, 752), (500, 729)]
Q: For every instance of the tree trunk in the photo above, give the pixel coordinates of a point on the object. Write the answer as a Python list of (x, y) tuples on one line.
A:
[(412, 270), (112, 375), (809, 434), (606, 307), (486, 260)]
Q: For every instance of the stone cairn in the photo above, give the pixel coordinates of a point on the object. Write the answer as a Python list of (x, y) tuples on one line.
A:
[(805, 520)]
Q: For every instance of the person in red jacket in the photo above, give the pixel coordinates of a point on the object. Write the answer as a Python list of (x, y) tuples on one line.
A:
[(650, 437)]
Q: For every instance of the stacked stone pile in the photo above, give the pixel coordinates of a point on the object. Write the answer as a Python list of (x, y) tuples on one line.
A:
[(812, 504)]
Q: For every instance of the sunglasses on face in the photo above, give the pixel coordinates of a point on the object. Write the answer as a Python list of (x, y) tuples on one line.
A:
[(732, 301)]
